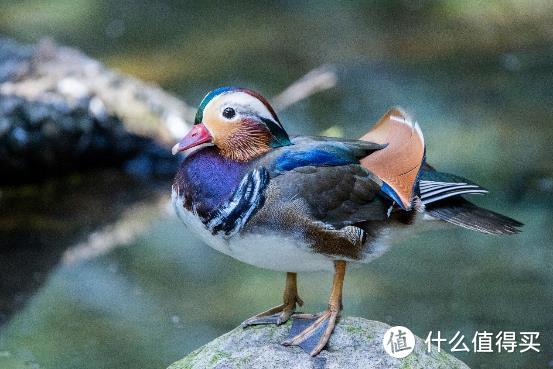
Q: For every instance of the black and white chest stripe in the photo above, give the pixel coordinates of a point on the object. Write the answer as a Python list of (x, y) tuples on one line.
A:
[(241, 206)]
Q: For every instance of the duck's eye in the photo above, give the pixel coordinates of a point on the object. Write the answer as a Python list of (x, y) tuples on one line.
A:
[(229, 113)]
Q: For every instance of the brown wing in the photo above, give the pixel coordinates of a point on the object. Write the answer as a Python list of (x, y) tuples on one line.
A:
[(398, 164), (337, 196)]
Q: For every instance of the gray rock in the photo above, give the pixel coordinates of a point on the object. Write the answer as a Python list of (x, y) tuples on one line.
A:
[(356, 343)]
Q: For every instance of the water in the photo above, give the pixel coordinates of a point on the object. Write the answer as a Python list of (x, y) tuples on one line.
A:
[(157, 292)]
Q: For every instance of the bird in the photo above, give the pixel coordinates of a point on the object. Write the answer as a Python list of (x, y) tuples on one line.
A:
[(299, 204)]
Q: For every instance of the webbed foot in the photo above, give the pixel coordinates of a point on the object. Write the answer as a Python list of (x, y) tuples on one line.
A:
[(315, 336), (277, 315)]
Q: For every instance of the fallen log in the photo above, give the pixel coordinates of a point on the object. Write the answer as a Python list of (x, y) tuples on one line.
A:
[(62, 111)]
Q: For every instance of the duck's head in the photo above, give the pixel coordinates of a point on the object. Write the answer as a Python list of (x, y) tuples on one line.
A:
[(238, 121)]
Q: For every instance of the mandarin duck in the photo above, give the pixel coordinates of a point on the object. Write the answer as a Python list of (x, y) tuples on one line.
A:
[(300, 204)]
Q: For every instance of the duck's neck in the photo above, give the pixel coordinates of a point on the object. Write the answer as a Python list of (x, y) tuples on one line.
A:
[(206, 179)]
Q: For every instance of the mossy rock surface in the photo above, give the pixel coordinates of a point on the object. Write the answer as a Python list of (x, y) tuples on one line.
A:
[(356, 343)]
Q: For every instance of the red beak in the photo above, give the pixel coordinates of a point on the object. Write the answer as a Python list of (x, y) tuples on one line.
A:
[(196, 136)]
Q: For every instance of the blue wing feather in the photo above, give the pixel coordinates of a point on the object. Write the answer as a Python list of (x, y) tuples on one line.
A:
[(318, 151), (317, 157)]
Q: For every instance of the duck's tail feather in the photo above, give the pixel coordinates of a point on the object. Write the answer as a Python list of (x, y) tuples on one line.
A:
[(398, 164), (463, 213), (436, 186)]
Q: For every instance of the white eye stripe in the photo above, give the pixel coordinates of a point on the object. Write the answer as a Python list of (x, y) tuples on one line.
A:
[(242, 103)]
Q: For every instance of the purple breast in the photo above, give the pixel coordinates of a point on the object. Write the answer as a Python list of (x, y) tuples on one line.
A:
[(206, 180)]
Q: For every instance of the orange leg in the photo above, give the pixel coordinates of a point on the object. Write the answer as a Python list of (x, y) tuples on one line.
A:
[(281, 313), (327, 317)]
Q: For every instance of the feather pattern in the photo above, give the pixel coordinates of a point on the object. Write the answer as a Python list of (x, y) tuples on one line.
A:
[(463, 213), (337, 196), (398, 164), (434, 191), (244, 202), (317, 151), (435, 186)]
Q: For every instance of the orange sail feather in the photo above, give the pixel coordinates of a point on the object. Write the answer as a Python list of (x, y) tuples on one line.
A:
[(399, 162)]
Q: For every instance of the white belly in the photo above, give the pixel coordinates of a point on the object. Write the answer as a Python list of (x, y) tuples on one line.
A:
[(269, 251)]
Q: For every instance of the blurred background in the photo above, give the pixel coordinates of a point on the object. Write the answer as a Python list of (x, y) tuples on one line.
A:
[(96, 271)]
